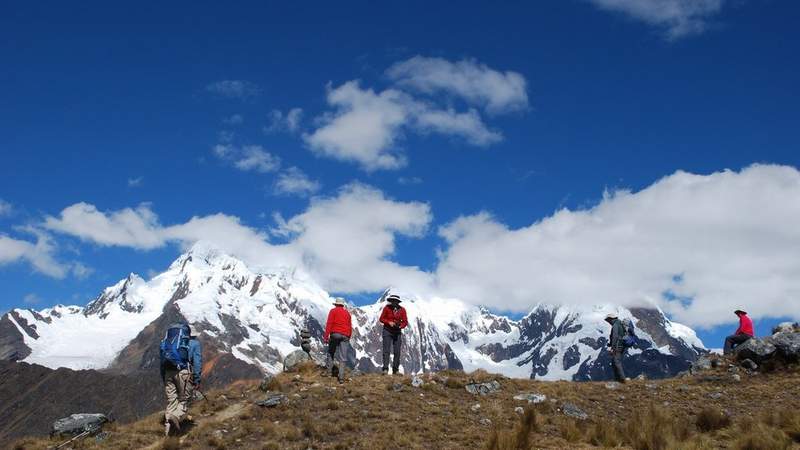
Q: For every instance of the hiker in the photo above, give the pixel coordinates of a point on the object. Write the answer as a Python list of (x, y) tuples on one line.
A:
[(617, 344), (394, 319), (742, 334), (337, 335), (181, 367)]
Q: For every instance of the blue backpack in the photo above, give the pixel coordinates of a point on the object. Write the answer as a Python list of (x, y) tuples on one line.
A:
[(630, 339), (174, 349)]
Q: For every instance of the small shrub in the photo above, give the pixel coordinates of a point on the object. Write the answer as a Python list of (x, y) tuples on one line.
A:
[(569, 430), (604, 434), (711, 419)]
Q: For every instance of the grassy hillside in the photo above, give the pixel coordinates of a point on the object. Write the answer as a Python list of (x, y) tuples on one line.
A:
[(713, 409)]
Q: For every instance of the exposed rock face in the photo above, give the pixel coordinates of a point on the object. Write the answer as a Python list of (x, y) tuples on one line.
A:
[(12, 343), (757, 350), (788, 345)]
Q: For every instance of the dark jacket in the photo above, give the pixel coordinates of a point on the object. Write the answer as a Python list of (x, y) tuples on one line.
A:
[(617, 333)]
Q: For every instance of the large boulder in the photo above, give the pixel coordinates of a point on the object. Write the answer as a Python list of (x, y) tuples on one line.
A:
[(78, 423), (788, 345), (294, 359), (785, 327), (756, 349)]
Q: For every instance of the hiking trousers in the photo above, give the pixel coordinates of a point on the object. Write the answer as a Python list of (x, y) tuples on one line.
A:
[(179, 389), (616, 364), (337, 353), (733, 341), (392, 342)]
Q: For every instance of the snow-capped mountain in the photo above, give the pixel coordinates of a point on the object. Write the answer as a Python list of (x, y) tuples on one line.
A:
[(249, 320)]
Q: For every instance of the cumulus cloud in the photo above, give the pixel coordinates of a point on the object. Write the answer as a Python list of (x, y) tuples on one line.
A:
[(234, 89), (289, 122), (31, 299), (366, 125), (696, 245), (247, 158), (38, 254), (677, 18), (294, 181), (476, 83)]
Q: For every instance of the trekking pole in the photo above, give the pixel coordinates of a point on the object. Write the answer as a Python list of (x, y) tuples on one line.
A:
[(85, 433)]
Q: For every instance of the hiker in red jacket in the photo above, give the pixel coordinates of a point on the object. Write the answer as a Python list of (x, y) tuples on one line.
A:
[(742, 335), (394, 319), (338, 330)]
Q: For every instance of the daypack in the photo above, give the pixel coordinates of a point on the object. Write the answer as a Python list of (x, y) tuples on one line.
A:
[(630, 339), (174, 347)]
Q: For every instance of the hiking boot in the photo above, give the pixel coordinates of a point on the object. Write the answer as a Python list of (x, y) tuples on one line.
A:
[(385, 371)]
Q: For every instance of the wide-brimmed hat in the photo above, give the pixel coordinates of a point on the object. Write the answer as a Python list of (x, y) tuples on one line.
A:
[(740, 311), (611, 316), (338, 301), (393, 298)]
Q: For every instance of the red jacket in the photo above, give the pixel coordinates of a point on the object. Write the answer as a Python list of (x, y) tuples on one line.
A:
[(338, 322), (745, 326), (397, 316)]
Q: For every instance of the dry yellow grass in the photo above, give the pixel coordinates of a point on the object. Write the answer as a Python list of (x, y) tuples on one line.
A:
[(371, 412)]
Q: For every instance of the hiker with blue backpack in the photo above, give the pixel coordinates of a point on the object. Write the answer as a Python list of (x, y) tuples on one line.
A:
[(621, 339), (181, 367)]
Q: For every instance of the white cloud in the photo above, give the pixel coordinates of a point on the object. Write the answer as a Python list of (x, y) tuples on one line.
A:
[(129, 227), (366, 126), (31, 299), (678, 18), (289, 122), (5, 208), (718, 241), (247, 158), (135, 182), (38, 254), (235, 119), (295, 182), (476, 83), (409, 180), (234, 89)]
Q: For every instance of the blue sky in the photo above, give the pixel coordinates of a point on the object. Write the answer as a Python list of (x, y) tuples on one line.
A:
[(474, 126)]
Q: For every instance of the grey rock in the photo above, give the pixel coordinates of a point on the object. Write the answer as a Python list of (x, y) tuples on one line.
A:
[(397, 387), (486, 422), (483, 388), (785, 327), (788, 345), (748, 364), (519, 410), (102, 436), (272, 400), (294, 359), (651, 386), (612, 385), (702, 363), (641, 377), (736, 377), (531, 397), (715, 395), (572, 410), (759, 350), (78, 423), (416, 381), (683, 388), (476, 407), (264, 386)]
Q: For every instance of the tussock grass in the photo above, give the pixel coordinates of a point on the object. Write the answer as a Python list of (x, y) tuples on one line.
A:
[(711, 419)]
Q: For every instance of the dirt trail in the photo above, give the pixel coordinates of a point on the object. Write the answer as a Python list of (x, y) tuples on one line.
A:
[(220, 416)]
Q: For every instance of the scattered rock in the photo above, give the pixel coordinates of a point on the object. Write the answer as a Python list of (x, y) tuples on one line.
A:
[(264, 386), (476, 407), (531, 397), (666, 404), (757, 349), (785, 327), (572, 410), (78, 423), (273, 400), (788, 345), (702, 363), (416, 381), (733, 369), (715, 395), (486, 422), (736, 377), (397, 387), (749, 364), (519, 410), (683, 388), (651, 386), (612, 385), (641, 377), (483, 388), (296, 378), (102, 436)]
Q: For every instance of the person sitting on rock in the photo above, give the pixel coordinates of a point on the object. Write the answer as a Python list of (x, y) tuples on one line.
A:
[(617, 345), (742, 334), (338, 330), (394, 319)]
